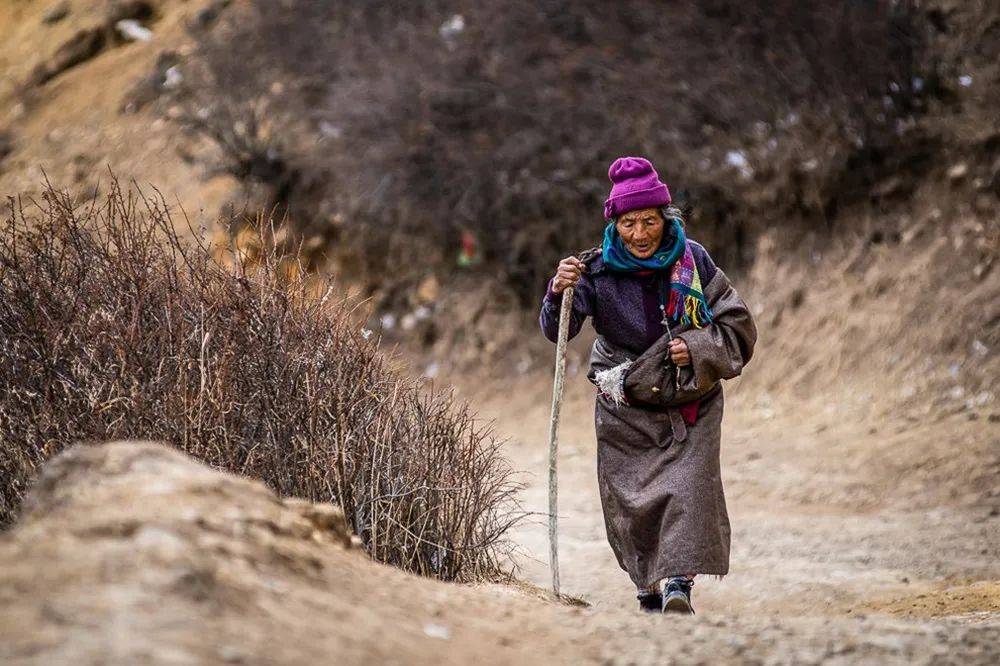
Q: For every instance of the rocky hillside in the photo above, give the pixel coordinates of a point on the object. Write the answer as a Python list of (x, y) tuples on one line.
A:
[(73, 93)]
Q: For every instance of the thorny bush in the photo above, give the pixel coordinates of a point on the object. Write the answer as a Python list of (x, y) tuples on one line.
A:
[(114, 327)]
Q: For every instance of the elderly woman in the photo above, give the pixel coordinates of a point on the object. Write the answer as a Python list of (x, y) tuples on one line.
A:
[(670, 326)]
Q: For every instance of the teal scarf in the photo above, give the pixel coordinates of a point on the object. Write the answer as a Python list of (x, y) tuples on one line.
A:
[(686, 303), (618, 258)]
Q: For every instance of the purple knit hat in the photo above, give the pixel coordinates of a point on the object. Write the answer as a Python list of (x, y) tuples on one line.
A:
[(635, 185)]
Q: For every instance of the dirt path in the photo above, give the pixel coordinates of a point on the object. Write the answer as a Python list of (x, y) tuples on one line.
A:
[(813, 555), (838, 515), (138, 552)]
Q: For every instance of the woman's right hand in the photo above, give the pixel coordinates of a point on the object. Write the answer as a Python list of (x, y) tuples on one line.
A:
[(567, 274)]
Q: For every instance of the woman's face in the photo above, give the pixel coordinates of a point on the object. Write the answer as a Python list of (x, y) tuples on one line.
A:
[(641, 231)]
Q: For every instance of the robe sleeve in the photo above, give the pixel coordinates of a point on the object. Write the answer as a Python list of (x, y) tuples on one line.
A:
[(583, 307), (721, 349)]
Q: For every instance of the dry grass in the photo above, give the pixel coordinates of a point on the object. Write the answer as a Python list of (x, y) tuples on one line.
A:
[(113, 327)]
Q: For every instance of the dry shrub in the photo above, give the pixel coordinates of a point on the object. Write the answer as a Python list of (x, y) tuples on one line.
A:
[(113, 327), (505, 128)]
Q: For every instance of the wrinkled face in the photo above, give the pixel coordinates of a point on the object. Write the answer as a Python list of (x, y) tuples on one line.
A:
[(641, 231)]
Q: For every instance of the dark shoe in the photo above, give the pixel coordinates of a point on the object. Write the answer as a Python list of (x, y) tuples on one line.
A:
[(677, 596), (650, 602)]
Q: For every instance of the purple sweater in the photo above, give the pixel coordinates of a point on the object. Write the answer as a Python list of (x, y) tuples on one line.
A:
[(624, 307)]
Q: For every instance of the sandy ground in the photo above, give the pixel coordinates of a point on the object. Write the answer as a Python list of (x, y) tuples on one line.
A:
[(134, 553), (828, 529), (809, 536), (861, 448)]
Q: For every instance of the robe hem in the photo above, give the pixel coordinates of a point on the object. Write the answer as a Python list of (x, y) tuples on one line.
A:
[(720, 572)]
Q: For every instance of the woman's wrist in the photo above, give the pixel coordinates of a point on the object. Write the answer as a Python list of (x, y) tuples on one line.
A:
[(550, 293)]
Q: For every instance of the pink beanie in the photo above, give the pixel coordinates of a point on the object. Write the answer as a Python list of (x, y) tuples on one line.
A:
[(635, 185)]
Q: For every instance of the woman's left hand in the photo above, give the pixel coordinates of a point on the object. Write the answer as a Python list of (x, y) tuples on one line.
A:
[(679, 353)]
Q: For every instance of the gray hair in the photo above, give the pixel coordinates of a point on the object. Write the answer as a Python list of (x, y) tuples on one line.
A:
[(672, 212)]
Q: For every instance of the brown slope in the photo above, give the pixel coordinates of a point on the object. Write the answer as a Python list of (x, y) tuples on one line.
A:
[(74, 127)]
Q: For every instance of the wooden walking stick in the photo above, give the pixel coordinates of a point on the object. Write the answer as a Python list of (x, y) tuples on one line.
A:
[(557, 394)]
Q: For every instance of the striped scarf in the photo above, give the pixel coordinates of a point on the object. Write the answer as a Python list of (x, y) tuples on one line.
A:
[(686, 303)]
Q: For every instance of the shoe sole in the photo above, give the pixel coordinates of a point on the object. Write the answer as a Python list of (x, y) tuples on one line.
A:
[(677, 604)]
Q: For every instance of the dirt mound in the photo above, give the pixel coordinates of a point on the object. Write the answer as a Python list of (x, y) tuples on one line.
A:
[(135, 553)]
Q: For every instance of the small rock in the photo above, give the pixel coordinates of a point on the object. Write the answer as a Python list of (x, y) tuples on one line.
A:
[(453, 27), (133, 31), (166, 74), (172, 77), (888, 187), (738, 159), (958, 171), (330, 130), (428, 290), (438, 631)]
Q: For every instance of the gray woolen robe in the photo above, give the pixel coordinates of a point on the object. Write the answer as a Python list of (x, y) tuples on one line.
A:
[(659, 477)]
